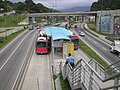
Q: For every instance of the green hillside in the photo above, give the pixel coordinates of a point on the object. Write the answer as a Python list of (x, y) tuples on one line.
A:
[(28, 6), (105, 5)]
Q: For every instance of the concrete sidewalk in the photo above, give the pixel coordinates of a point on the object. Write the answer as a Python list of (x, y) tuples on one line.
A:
[(39, 75)]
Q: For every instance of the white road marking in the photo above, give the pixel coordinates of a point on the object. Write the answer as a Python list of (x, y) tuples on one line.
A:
[(9, 44), (21, 68), (12, 53), (89, 38), (95, 42), (104, 48)]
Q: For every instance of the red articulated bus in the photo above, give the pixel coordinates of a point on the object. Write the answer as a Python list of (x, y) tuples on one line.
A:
[(42, 44), (74, 40)]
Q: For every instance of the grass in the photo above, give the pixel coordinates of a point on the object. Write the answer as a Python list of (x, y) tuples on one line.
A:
[(39, 20), (4, 41), (11, 20), (91, 53), (64, 83), (91, 25)]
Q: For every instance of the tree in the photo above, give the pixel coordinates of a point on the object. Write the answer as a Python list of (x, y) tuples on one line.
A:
[(105, 5), (29, 2), (28, 5), (19, 7)]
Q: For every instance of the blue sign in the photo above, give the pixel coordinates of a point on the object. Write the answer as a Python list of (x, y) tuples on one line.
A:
[(105, 23)]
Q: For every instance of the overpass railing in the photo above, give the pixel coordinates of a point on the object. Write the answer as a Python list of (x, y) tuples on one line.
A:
[(89, 76)]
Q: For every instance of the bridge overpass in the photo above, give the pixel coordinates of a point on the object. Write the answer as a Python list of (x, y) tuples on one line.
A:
[(106, 21), (94, 13)]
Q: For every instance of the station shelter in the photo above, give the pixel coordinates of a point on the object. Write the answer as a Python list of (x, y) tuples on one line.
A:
[(59, 35)]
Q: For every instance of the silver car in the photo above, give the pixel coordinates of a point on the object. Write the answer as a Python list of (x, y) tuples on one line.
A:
[(82, 34)]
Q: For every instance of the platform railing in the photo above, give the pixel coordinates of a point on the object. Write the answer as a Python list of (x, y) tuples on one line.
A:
[(107, 71), (87, 76)]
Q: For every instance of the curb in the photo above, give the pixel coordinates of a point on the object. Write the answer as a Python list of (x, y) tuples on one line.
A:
[(96, 34)]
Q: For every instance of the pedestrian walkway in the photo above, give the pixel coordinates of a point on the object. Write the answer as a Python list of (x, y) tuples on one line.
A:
[(39, 75)]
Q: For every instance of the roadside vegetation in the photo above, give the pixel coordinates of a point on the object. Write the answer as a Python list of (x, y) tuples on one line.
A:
[(11, 20), (64, 83), (105, 5), (23, 7), (5, 40), (39, 20), (91, 53), (91, 25)]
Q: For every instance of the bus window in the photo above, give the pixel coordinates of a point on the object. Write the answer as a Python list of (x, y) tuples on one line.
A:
[(41, 44), (74, 40)]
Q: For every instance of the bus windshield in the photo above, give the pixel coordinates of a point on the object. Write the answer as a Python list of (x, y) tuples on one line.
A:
[(41, 44), (74, 40)]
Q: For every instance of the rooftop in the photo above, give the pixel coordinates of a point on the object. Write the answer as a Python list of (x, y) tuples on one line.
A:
[(57, 32)]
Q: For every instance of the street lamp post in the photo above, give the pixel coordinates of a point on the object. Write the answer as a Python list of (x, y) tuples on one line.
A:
[(108, 21), (5, 22)]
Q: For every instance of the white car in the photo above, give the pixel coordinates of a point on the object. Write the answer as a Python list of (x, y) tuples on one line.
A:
[(82, 34)]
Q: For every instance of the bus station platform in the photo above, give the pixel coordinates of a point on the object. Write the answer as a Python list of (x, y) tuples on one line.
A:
[(40, 75)]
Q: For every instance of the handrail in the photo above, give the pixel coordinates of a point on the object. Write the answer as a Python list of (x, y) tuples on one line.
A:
[(112, 64), (83, 75)]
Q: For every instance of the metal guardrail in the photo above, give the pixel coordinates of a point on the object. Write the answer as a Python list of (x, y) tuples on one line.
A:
[(89, 76)]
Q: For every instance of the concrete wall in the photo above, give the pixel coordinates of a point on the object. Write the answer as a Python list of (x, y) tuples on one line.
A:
[(112, 14)]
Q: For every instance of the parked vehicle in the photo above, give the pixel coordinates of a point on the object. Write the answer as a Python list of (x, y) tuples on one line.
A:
[(115, 47)]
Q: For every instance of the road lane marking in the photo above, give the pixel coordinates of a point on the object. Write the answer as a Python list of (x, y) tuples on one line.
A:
[(10, 43), (13, 52), (22, 66), (95, 42), (104, 48), (89, 38)]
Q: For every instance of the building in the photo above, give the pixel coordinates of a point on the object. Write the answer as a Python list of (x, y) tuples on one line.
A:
[(58, 35)]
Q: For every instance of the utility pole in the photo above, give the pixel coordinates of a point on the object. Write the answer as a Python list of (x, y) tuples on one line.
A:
[(5, 19)]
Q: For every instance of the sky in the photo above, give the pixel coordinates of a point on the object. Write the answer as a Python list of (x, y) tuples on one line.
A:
[(61, 4)]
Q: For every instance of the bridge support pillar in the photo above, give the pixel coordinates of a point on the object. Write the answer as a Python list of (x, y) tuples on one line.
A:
[(68, 20), (31, 20), (105, 21)]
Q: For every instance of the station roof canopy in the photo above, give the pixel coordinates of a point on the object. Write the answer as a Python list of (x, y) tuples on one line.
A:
[(57, 33)]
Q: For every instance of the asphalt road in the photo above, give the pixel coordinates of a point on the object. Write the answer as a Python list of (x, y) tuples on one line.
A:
[(12, 57), (7, 33), (98, 46)]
